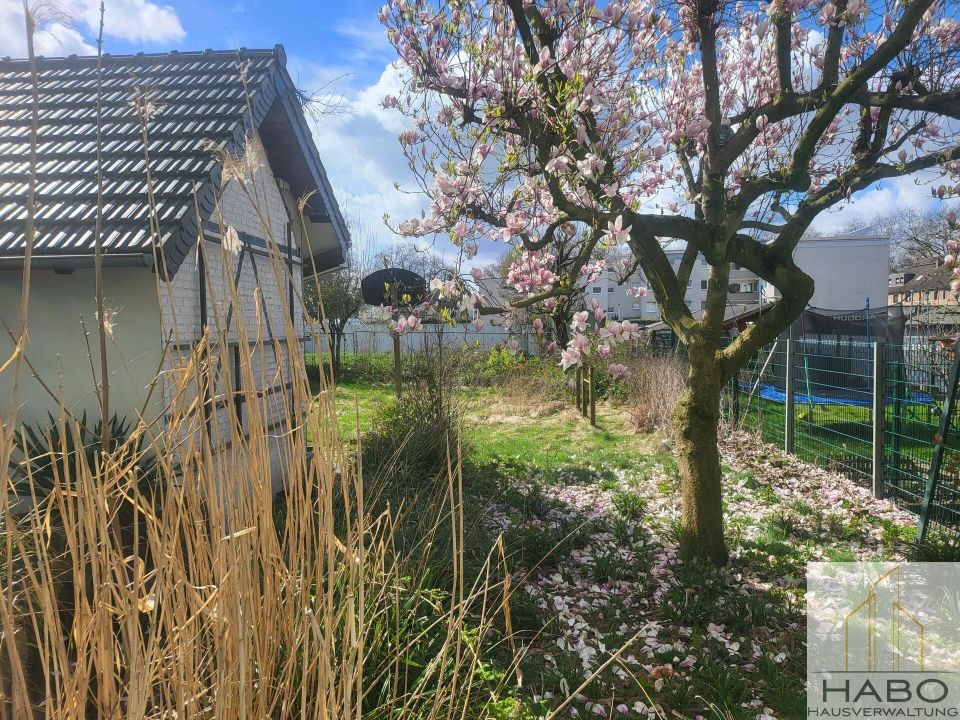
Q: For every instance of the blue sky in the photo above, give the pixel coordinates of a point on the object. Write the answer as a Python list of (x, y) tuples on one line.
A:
[(336, 46)]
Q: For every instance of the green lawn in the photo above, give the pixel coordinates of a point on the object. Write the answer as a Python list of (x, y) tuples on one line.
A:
[(589, 521), (357, 404)]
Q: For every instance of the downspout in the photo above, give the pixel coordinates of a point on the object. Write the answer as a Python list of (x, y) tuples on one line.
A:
[(293, 324), (202, 271)]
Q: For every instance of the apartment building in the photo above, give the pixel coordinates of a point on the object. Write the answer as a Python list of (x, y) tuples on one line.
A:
[(849, 272), (922, 284), (618, 302)]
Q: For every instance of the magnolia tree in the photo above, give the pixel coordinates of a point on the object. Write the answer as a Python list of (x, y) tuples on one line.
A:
[(532, 271), (648, 121)]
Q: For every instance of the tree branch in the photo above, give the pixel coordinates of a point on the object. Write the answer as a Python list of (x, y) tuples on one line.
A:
[(784, 41)]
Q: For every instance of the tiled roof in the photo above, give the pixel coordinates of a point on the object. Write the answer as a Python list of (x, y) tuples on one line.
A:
[(197, 100), (938, 279)]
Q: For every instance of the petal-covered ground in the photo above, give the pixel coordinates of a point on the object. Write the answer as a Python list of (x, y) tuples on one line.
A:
[(596, 555), (611, 622)]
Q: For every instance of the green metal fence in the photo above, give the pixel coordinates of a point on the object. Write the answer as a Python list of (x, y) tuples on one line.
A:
[(869, 411)]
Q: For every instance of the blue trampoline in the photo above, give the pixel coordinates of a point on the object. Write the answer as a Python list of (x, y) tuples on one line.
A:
[(775, 394)]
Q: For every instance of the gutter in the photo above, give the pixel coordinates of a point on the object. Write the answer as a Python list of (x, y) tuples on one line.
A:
[(74, 262)]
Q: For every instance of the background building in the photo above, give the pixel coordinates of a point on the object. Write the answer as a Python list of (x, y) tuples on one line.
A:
[(849, 272)]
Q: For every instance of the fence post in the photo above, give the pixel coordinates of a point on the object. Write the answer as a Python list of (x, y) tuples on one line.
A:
[(790, 393), (593, 401), (879, 417), (939, 444), (736, 399)]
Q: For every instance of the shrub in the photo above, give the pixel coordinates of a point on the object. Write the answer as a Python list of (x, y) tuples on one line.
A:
[(43, 453), (359, 367), (408, 457), (655, 384)]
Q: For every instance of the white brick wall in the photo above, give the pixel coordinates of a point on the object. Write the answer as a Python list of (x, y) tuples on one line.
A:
[(258, 308)]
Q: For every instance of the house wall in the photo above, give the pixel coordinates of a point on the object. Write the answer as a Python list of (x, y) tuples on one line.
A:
[(246, 302), (57, 347), (845, 271), (619, 304)]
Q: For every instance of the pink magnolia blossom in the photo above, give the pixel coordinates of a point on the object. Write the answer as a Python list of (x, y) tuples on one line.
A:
[(570, 358), (580, 343), (618, 372), (479, 324), (616, 232), (579, 323), (629, 330)]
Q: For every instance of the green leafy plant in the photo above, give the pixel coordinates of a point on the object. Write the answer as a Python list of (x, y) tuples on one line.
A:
[(44, 453)]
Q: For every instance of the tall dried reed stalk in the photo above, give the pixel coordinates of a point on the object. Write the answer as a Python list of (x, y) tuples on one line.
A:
[(160, 577)]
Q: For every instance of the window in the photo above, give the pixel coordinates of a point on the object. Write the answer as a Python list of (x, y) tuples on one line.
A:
[(596, 290), (689, 304), (610, 288), (703, 262), (636, 306), (703, 284), (703, 304)]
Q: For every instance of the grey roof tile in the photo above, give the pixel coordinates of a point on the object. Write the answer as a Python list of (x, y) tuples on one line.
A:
[(200, 100)]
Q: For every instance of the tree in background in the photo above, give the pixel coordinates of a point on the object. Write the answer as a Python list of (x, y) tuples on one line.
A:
[(334, 298), (917, 236), (406, 255), (696, 120)]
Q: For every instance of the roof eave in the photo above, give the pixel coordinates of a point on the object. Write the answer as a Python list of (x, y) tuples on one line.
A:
[(76, 262)]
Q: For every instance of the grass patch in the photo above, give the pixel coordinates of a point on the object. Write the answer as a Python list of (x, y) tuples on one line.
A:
[(589, 520)]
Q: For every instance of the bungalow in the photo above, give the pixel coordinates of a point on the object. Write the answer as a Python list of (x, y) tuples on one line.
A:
[(214, 205)]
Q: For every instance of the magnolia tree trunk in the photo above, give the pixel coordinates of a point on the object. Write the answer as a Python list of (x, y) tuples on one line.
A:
[(696, 419)]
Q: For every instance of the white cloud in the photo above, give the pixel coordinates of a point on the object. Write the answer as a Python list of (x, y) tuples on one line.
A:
[(360, 152), (367, 40), (886, 198), (363, 159), (135, 20), (138, 21)]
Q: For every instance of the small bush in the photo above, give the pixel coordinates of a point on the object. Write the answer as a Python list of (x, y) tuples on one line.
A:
[(463, 365), (359, 367), (407, 459)]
